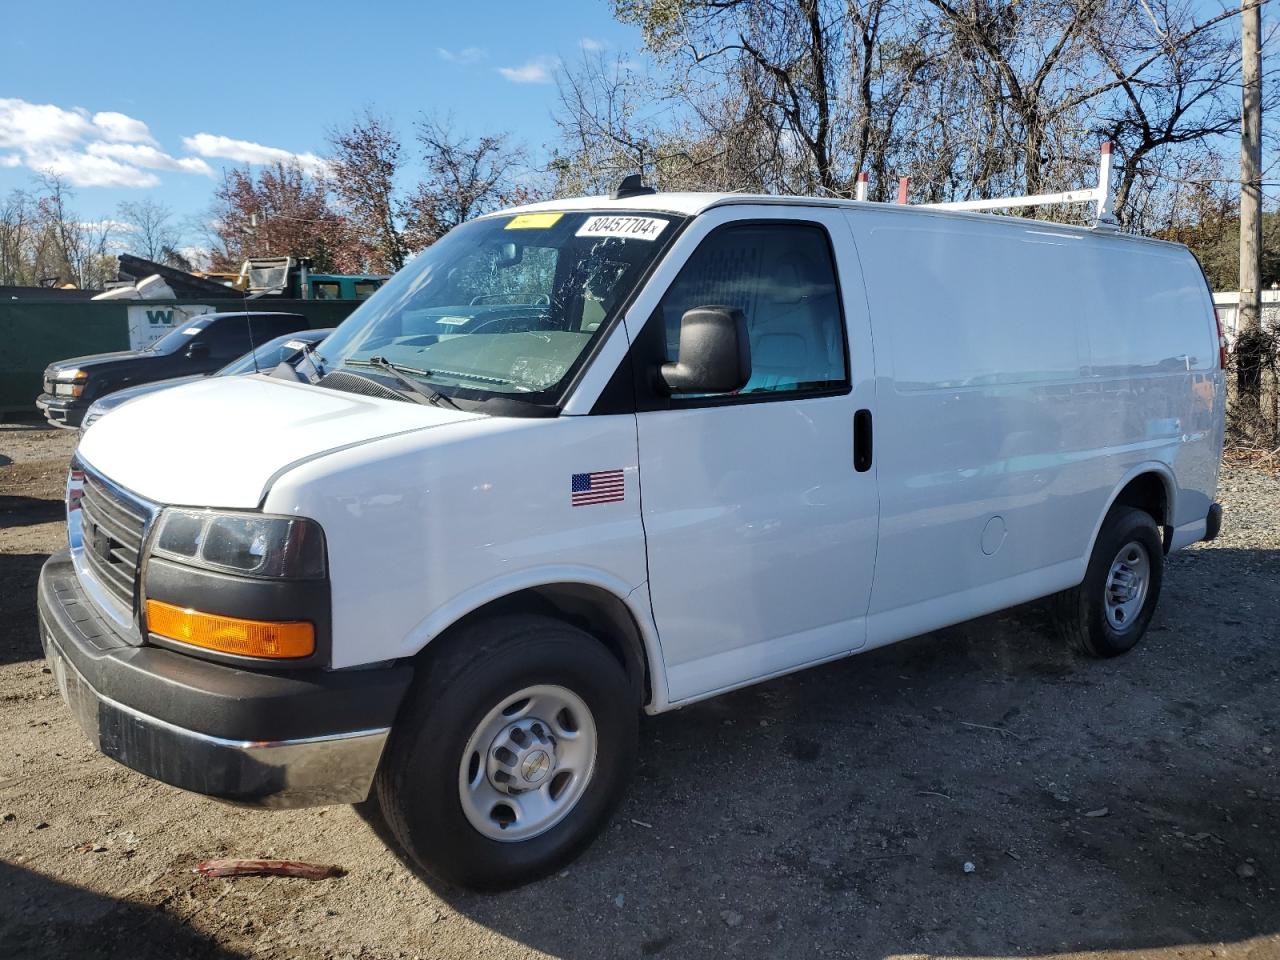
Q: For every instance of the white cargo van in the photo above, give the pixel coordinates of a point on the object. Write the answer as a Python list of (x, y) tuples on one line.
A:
[(592, 457)]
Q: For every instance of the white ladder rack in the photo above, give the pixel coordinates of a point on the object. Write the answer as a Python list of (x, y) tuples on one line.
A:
[(1104, 216)]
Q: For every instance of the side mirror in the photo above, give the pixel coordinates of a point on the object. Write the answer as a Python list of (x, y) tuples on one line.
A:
[(715, 353), (197, 351)]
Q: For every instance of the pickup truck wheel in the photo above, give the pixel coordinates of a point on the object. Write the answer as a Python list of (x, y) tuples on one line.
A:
[(516, 745), (1107, 614)]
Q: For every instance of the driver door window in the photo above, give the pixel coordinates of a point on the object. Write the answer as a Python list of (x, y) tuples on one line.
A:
[(781, 275)]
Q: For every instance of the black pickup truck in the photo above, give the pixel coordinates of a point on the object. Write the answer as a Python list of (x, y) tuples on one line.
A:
[(202, 345)]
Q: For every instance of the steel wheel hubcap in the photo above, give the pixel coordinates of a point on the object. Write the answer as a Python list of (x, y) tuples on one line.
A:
[(528, 763), (1127, 583)]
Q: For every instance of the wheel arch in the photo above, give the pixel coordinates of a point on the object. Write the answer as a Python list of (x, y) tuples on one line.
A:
[(610, 615), (1148, 486)]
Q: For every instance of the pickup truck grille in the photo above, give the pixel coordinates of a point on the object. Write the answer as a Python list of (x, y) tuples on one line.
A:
[(112, 526)]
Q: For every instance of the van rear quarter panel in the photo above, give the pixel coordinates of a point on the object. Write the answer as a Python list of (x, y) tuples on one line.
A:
[(1024, 373)]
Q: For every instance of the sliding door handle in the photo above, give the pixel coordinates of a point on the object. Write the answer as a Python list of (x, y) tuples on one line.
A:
[(862, 441)]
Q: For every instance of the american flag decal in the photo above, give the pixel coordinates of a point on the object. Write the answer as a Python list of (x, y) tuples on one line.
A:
[(603, 486)]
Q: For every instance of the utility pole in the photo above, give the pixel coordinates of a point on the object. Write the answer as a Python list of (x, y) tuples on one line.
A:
[(1249, 324)]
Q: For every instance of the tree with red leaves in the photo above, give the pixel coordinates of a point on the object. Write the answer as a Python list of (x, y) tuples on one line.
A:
[(280, 211), (364, 164)]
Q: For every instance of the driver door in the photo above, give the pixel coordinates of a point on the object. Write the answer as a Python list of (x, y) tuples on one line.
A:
[(760, 531)]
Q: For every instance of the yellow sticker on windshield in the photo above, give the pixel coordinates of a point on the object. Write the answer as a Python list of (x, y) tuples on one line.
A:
[(533, 221)]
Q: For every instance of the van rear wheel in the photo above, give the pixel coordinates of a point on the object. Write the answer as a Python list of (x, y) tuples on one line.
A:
[(516, 745), (1108, 613)]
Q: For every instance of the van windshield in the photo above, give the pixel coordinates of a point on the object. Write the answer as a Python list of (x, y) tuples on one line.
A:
[(504, 305)]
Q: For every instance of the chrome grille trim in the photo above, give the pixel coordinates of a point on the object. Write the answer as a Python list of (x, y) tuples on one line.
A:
[(113, 525)]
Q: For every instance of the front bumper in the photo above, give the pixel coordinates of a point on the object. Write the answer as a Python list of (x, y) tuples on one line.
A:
[(62, 411), (273, 740)]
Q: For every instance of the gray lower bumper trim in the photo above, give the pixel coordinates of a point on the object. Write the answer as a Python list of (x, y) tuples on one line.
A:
[(282, 773)]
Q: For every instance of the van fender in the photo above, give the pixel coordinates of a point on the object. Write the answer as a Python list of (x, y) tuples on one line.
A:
[(1160, 469), (634, 598)]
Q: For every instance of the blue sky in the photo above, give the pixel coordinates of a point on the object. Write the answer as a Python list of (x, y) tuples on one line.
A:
[(153, 99)]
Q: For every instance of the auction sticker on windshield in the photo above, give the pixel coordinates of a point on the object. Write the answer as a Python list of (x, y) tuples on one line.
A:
[(533, 221), (641, 228)]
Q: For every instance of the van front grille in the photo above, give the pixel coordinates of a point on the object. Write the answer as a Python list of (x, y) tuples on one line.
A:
[(112, 525)]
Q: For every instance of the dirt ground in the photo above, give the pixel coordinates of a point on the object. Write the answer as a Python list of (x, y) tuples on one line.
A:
[(1118, 809)]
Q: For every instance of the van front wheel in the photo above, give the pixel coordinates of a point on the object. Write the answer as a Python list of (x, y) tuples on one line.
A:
[(516, 746), (1107, 614)]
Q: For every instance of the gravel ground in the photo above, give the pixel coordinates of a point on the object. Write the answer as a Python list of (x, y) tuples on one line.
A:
[(1110, 809)]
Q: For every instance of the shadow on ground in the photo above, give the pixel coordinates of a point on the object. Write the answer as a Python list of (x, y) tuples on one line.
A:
[(16, 511), (1124, 804), (19, 573), (45, 918)]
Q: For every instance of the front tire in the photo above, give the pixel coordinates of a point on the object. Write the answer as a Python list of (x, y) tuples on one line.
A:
[(1108, 613), (515, 747)]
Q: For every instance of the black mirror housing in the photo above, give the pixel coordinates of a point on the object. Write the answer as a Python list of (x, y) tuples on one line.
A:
[(715, 352)]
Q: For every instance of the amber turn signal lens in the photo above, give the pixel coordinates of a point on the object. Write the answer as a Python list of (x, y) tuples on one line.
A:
[(246, 638)]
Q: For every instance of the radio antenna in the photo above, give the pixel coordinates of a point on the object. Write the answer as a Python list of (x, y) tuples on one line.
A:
[(248, 323)]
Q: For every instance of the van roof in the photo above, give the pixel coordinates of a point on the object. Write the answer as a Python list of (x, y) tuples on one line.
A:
[(690, 204)]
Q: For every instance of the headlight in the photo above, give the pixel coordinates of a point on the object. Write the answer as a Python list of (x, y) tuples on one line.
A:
[(249, 544), (72, 374)]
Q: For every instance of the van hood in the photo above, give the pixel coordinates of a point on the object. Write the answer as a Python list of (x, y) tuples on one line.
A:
[(221, 441)]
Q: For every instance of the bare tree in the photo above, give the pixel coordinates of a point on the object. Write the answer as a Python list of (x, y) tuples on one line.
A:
[(602, 130), (67, 249), (463, 178), (611, 126), (152, 229), (1034, 53), (1176, 89), (17, 229), (365, 160), (804, 68)]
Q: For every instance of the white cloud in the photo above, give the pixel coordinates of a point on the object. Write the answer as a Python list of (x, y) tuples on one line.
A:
[(86, 170), (109, 225), (25, 125), (121, 128), (245, 151), (469, 55), (201, 258), (537, 70), (141, 155), (104, 149), (592, 45), (115, 233)]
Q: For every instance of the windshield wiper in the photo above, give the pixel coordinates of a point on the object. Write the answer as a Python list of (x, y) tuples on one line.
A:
[(311, 353), (401, 373)]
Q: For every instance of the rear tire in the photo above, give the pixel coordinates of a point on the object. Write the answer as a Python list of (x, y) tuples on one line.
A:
[(1108, 613), (481, 789)]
